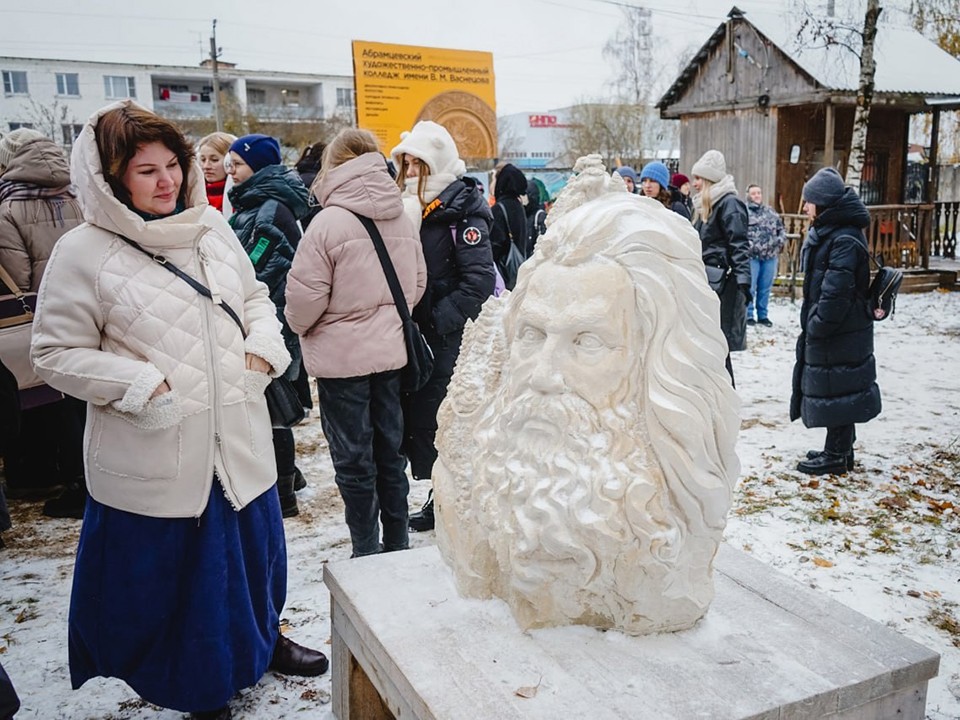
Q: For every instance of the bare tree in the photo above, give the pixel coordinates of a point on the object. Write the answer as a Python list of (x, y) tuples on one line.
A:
[(859, 39), (615, 130), (50, 119)]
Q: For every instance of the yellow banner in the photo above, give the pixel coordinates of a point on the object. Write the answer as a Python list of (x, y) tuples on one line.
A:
[(399, 85)]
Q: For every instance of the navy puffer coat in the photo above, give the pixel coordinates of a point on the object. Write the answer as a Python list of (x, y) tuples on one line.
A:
[(834, 379)]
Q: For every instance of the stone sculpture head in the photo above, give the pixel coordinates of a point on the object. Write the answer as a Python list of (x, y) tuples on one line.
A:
[(587, 440)]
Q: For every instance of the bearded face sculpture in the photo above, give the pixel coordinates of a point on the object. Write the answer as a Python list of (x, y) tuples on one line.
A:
[(587, 440)]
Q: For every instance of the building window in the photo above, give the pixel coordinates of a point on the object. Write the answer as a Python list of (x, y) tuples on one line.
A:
[(68, 84), (290, 97), (17, 125), (70, 133), (118, 87), (345, 97), (256, 96), (15, 82)]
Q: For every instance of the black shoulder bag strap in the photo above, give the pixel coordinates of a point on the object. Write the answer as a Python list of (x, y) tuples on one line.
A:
[(506, 220), (388, 269), (188, 279)]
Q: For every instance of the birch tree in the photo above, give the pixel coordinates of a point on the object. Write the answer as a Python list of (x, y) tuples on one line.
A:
[(861, 117)]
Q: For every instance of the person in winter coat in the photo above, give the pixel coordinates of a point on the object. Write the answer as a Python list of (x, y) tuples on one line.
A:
[(835, 375), (721, 220), (308, 167), (509, 221), (37, 206), (180, 573), (212, 150), (629, 176), (766, 235), (339, 302), (9, 437), (267, 199), (655, 183), (680, 192), (536, 214), (454, 224)]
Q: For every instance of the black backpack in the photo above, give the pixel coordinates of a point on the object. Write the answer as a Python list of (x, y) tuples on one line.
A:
[(882, 294)]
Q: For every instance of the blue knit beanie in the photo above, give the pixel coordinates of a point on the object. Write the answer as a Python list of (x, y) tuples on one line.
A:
[(825, 188), (258, 151), (628, 172), (657, 172)]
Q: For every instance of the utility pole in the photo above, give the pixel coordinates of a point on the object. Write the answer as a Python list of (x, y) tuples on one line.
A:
[(214, 54)]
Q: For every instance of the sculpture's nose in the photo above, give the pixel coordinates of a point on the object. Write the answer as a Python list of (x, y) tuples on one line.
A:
[(547, 376)]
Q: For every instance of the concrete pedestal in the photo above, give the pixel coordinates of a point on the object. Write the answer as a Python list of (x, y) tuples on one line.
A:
[(406, 645)]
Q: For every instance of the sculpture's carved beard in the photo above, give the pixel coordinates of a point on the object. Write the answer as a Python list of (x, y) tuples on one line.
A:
[(571, 503)]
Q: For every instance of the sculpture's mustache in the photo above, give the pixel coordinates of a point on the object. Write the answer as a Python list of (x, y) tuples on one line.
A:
[(567, 412)]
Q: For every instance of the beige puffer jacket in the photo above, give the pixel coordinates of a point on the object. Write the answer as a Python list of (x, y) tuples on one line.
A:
[(112, 324), (30, 227), (338, 299)]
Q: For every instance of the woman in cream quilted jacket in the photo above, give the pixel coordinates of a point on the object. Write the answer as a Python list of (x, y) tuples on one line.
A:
[(181, 568)]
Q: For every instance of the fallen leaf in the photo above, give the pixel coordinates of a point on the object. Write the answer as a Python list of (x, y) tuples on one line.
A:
[(529, 691), (932, 593), (822, 562), (913, 593), (895, 501)]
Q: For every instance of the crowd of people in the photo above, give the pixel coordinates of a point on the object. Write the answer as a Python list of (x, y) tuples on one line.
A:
[(176, 280)]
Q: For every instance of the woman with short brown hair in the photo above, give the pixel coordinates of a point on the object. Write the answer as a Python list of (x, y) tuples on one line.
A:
[(180, 574)]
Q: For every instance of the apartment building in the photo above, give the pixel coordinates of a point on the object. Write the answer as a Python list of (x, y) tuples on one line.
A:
[(57, 96)]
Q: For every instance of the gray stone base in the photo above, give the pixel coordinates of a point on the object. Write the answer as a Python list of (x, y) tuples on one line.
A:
[(406, 645)]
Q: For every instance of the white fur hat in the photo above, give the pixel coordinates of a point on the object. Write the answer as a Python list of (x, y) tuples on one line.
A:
[(711, 166), (432, 144), (11, 143)]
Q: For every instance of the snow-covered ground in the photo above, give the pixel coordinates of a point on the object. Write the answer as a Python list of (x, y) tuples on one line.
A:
[(881, 540)]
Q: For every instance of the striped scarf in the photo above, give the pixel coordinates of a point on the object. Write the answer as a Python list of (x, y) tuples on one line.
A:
[(28, 191)]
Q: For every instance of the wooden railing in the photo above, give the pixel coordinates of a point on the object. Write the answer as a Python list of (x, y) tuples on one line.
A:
[(901, 233), (944, 242)]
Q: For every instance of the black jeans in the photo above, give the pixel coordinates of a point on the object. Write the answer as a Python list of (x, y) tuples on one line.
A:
[(420, 408), (840, 439), (363, 424)]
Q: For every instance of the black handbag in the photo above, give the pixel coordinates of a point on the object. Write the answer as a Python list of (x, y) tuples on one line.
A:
[(883, 290), (717, 277), (419, 367), (509, 266), (283, 402)]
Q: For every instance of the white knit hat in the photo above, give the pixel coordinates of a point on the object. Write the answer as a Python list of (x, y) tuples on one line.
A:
[(711, 166), (432, 144), (11, 143)]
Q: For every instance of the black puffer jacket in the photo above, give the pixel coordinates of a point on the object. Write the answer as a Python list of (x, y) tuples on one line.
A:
[(834, 379), (266, 208), (455, 235), (723, 241)]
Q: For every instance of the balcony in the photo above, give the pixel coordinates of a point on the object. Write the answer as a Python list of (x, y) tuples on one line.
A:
[(263, 111), (187, 110)]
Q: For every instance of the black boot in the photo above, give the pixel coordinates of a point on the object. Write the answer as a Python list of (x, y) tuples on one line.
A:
[(299, 481), (68, 504), (423, 520), (826, 463), (221, 714), (292, 659), (288, 498), (811, 454)]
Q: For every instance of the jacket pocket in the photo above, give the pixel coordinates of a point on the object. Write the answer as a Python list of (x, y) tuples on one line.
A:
[(145, 446), (258, 417)]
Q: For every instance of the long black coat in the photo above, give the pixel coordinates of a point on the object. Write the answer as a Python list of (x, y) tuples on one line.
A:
[(723, 241), (834, 379)]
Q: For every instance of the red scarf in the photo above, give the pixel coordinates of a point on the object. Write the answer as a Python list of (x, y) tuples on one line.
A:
[(215, 193)]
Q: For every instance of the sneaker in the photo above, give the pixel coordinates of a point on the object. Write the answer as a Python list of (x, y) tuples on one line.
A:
[(751, 321), (423, 520), (765, 322)]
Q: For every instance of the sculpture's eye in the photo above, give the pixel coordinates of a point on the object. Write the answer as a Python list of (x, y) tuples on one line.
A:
[(590, 342), (530, 334)]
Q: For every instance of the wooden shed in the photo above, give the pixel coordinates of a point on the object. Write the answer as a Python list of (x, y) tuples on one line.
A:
[(779, 110)]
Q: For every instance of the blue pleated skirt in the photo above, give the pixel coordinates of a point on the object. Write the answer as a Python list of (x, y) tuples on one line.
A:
[(185, 611)]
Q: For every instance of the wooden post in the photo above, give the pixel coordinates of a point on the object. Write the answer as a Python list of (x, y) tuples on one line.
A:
[(932, 189), (828, 140)]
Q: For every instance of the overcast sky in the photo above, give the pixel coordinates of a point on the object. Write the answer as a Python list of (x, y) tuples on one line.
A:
[(547, 53)]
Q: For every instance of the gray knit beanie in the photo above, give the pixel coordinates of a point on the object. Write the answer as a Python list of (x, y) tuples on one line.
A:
[(825, 188), (711, 166), (11, 143)]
